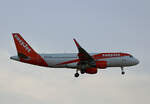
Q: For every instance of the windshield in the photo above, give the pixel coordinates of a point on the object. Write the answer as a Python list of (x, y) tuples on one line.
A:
[(131, 56)]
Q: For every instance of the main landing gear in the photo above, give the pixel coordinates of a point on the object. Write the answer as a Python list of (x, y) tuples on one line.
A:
[(76, 74), (122, 71)]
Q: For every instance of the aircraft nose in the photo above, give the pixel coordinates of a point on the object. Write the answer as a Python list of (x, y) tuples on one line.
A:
[(136, 61)]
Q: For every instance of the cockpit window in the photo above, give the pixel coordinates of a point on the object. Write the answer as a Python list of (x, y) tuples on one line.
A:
[(131, 56)]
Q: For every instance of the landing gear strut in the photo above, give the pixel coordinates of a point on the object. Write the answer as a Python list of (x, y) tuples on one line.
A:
[(122, 71), (82, 71), (76, 74)]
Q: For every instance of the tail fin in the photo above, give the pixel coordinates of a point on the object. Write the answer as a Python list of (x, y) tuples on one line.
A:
[(23, 48), (25, 53)]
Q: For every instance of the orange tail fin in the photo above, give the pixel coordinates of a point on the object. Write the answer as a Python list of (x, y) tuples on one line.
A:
[(26, 53), (23, 48)]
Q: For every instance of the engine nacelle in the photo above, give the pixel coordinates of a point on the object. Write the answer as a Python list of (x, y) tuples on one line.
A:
[(101, 64), (91, 70)]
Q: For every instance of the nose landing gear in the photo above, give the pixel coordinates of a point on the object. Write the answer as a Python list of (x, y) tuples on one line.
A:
[(122, 71)]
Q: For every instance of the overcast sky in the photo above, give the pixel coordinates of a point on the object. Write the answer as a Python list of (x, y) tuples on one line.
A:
[(49, 27)]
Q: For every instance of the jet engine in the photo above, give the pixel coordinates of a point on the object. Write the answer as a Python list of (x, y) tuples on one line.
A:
[(101, 64), (91, 70)]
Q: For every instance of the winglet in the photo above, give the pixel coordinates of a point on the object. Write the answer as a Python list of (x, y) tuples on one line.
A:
[(77, 44)]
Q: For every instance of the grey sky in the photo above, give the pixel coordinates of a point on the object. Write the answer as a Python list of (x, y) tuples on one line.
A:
[(99, 25)]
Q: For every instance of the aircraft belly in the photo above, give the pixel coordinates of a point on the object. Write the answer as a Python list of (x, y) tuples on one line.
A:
[(54, 62), (72, 65)]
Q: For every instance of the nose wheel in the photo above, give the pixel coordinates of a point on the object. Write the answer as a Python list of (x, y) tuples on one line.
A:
[(122, 71)]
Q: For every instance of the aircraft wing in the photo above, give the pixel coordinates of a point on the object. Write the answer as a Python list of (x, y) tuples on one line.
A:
[(82, 54)]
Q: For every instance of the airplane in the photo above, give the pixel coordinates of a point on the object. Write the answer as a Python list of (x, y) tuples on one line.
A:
[(82, 61)]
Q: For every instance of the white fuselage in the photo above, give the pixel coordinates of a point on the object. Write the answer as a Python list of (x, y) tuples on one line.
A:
[(53, 60)]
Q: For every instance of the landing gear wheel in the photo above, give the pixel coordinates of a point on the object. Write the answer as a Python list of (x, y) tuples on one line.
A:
[(82, 71), (76, 75), (123, 73)]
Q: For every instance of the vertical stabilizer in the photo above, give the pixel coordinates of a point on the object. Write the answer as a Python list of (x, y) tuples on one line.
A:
[(26, 53), (23, 48)]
